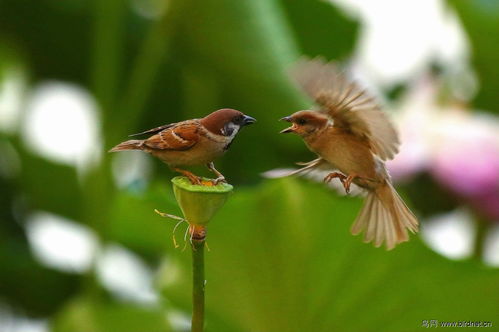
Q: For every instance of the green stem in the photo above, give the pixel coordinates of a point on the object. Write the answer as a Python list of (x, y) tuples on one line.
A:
[(198, 204), (198, 285), (480, 236), (108, 51)]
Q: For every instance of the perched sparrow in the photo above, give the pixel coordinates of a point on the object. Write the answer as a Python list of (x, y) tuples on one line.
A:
[(352, 138), (191, 142)]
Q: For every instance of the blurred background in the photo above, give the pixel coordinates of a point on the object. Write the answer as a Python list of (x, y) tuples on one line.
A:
[(81, 248)]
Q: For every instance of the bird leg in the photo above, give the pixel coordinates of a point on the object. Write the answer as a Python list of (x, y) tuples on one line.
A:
[(220, 177), (193, 178), (333, 175), (345, 180)]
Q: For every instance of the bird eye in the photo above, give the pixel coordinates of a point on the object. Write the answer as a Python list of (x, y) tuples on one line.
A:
[(301, 121)]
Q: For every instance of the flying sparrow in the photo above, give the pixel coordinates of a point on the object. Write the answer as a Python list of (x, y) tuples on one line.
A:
[(352, 138), (191, 142)]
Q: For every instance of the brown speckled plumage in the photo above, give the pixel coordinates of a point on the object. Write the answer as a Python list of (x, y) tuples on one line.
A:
[(191, 142), (352, 138)]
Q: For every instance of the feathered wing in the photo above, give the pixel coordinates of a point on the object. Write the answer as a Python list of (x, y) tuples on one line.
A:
[(312, 166), (315, 169), (349, 106), (154, 130), (308, 167), (178, 138)]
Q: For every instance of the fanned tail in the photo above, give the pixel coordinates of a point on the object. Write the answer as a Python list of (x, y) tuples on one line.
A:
[(133, 144), (385, 218)]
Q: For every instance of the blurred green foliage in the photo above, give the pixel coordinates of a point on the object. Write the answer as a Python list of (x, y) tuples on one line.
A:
[(482, 26), (296, 268), (282, 258), (87, 314)]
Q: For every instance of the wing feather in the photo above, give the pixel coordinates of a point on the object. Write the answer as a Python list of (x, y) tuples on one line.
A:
[(154, 130), (349, 106), (179, 138)]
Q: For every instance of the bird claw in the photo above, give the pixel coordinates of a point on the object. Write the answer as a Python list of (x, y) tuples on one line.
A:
[(348, 182), (347, 187), (220, 177), (328, 178), (218, 180), (196, 180)]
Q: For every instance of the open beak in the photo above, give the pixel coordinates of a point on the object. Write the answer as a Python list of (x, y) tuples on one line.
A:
[(247, 120), (289, 129)]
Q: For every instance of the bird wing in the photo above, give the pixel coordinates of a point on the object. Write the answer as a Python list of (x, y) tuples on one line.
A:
[(316, 170), (350, 107), (154, 130), (180, 137)]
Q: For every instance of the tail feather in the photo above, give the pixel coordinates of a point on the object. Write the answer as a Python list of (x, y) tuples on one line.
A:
[(410, 222), (133, 144), (362, 218), (370, 227), (382, 229), (385, 218)]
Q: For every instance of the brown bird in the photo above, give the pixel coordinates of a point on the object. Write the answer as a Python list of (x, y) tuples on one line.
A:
[(192, 142), (352, 138)]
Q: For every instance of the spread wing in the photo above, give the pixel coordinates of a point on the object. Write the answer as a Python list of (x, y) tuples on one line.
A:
[(316, 170), (349, 106), (179, 137)]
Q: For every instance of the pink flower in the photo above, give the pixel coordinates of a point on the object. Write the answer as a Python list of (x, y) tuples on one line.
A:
[(465, 159), (412, 119), (459, 148)]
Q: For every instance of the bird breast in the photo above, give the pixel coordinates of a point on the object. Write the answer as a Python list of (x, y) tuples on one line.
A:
[(344, 152), (207, 149)]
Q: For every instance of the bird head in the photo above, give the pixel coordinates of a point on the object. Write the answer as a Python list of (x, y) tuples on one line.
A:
[(305, 123), (226, 121)]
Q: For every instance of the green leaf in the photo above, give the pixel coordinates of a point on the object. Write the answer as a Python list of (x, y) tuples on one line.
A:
[(134, 223), (26, 285), (482, 27), (321, 28), (282, 259), (50, 186), (85, 314)]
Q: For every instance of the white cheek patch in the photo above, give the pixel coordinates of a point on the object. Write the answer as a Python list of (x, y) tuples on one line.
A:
[(234, 128), (230, 130)]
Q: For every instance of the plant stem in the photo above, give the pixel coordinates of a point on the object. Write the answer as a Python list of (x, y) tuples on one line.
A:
[(198, 204), (480, 237), (198, 281)]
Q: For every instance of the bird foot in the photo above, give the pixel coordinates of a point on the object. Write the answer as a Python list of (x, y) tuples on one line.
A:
[(196, 180), (348, 182), (218, 180), (328, 178), (220, 177)]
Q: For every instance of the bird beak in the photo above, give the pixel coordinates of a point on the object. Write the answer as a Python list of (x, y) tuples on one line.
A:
[(247, 120), (289, 129)]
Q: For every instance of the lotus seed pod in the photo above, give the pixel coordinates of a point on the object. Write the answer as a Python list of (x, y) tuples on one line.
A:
[(199, 203)]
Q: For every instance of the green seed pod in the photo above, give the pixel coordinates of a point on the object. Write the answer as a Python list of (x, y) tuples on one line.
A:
[(199, 203)]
